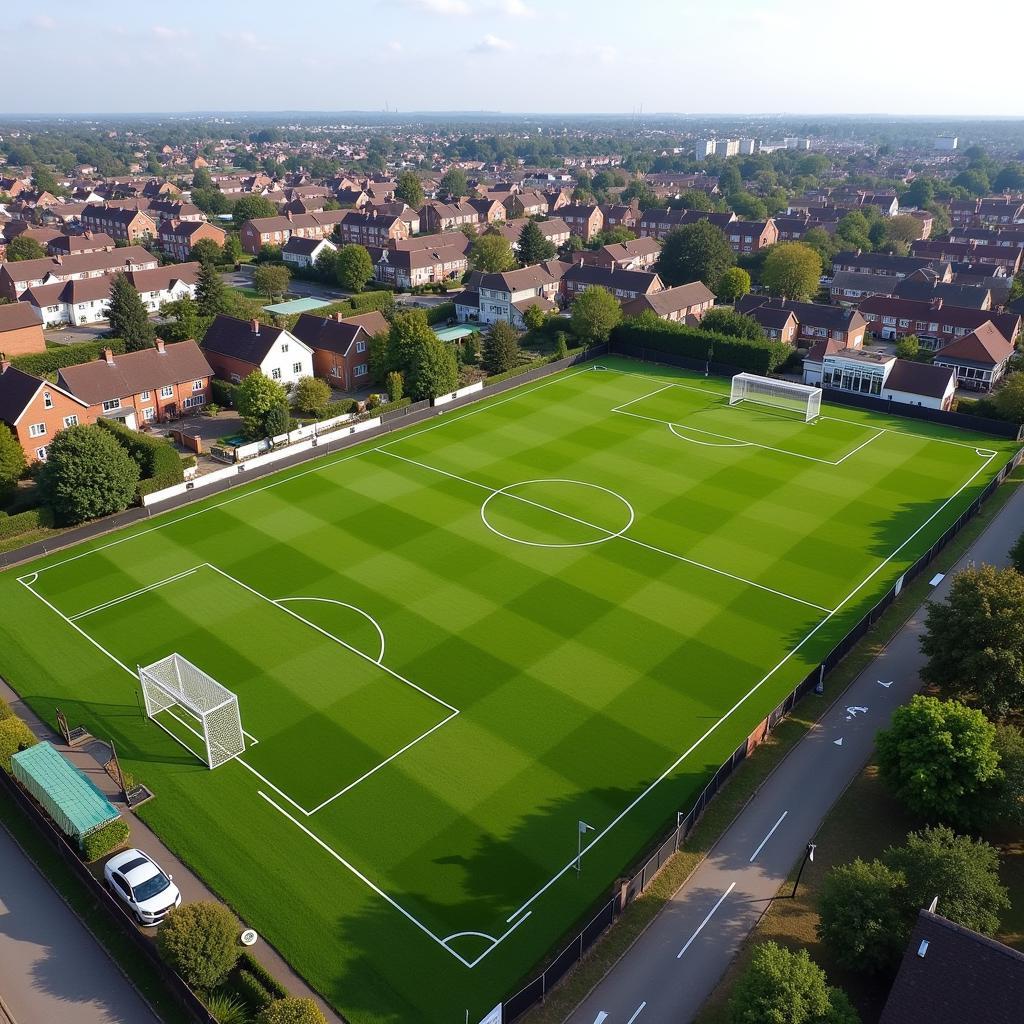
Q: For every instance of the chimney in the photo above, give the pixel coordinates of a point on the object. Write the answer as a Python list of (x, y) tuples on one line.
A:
[(160, 347), (88, 233), (255, 326), (59, 260), (108, 355), (338, 317), (4, 365), (289, 214)]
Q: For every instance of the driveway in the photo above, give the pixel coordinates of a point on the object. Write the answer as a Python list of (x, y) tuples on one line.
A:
[(70, 335), (51, 968)]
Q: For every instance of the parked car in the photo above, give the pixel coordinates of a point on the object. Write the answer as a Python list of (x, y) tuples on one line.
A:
[(140, 883)]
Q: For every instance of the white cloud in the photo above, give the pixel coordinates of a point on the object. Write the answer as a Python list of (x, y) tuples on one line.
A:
[(515, 9), (448, 8), (492, 44), (165, 32), (395, 46), (42, 22)]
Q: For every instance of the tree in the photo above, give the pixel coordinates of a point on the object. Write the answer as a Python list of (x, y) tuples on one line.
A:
[(792, 270), (87, 474), (453, 183), (572, 244), (206, 249), (974, 641), (434, 370), (733, 284), (638, 190), (21, 247), (595, 312), (908, 347), (182, 320), (1017, 554), (251, 208), (291, 1010), (276, 421), (533, 246), (974, 180), (311, 395), (492, 254), (395, 386), (12, 462), (501, 348), (199, 941), (695, 252), (939, 760), (1009, 398), (822, 243), (353, 267), (270, 280), (409, 332), (1007, 801), (730, 179), (748, 206), (256, 396), (534, 317), (232, 247), (723, 320), (127, 315), (1010, 178), (860, 917), (211, 292), (962, 872), (780, 986), (920, 194), (902, 228), (852, 231), (409, 190), (471, 350)]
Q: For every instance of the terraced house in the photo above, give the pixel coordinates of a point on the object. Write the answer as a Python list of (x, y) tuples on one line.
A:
[(16, 278)]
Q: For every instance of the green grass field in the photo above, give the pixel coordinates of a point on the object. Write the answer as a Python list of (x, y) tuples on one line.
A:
[(568, 603)]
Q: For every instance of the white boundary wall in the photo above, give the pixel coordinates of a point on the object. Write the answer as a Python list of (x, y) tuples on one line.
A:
[(470, 389), (274, 455)]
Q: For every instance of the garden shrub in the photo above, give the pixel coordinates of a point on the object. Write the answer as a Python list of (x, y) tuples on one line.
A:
[(252, 990), (23, 522), (42, 364), (293, 1010), (199, 941), (247, 962), (223, 392), (103, 840), (440, 313), (15, 735)]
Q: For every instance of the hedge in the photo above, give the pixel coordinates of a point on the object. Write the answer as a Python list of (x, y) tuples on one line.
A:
[(247, 962), (103, 840), (391, 406), (533, 364), (440, 313), (345, 407), (159, 463), (42, 364), (224, 392), (5, 710), (364, 302), (754, 356), (252, 990), (23, 522), (15, 735)]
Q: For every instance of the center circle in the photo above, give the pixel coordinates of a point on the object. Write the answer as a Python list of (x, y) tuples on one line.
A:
[(517, 512)]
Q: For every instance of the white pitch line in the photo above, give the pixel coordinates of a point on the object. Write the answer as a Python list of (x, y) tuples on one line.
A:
[(134, 593), (637, 1012), (711, 914), (771, 832), (345, 604), (610, 534)]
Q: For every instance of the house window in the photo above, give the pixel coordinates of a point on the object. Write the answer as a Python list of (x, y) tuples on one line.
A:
[(47, 400), (197, 385), (143, 396), (37, 430), (71, 421), (360, 370), (360, 346), (41, 454), (296, 367), (236, 379), (111, 403), (194, 400), (284, 346), (167, 391), (148, 413), (275, 374)]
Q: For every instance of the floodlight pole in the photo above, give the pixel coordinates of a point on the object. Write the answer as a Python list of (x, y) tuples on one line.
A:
[(808, 855)]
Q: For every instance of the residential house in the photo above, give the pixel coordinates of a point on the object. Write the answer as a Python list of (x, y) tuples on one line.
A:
[(618, 216), (747, 236), (991, 211), (148, 386), (779, 323), (554, 229), (989, 255), (16, 278), (263, 231), (437, 216), (584, 221), (368, 227), (686, 303), (658, 223), (879, 375), (75, 245), (637, 254), (340, 347), (178, 237), (528, 203), (849, 288), (935, 322), (21, 330), (923, 287), (815, 321), (857, 262), (493, 297), (235, 348), (121, 225), (304, 252), (36, 410), (490, 211), (979, 359), (625, 285), (407, 268)]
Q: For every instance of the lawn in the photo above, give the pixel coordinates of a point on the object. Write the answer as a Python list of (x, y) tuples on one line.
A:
[(570, 603)]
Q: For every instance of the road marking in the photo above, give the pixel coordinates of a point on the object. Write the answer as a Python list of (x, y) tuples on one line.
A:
[(771, 832), (856, 710), (838, 742), (601, 1017), (637, 1012), (711, 913), (937, 579), (886, 685)]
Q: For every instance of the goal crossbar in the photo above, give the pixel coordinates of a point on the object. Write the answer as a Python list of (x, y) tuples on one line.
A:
[(174, 682), (780, 394)]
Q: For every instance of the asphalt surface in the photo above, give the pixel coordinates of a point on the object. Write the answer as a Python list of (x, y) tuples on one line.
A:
[(51, 967), (676, 963)]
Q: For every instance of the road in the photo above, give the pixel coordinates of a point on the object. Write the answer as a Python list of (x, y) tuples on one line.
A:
[(51, 968), (676, 963)]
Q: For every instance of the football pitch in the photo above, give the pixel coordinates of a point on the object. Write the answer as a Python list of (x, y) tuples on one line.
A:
[(452, 644)]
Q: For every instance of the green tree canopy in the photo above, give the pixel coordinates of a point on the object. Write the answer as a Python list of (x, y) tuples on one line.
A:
[(594, 313), (908, 347), (12, 461), (199, 941), (453, 183), (127, 315), (21, 247), (87, 474), (939, 759), (695, 252), (434, 370), (353, 267), (974, 640), (251, 208), (256, 397), (780, 986), (395, 385), (491, 254), (733, 284), (409, 332), (723, 320), (311, 395), (409, 190), (206, 249), (533, 246), (501, 348), (211, 292), (232, 247), (271, 280), (792, 270), (1009, 397), (291, 1010)]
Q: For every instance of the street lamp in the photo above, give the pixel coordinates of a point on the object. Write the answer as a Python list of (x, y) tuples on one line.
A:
[(808, 855)]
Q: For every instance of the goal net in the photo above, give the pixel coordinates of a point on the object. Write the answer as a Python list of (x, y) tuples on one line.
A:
[(174, 682), (781, 394)]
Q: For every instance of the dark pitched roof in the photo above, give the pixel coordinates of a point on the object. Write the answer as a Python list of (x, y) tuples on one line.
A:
[(670, 300), (17, 389), (16, 315), (132, 372), (642, 281), (330, 334), (230, 336), (834, 318), (963, 295), (305, 246), (951, 975), (919, 379)]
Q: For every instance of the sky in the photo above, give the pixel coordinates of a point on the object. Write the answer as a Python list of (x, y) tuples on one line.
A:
[(542, 56)]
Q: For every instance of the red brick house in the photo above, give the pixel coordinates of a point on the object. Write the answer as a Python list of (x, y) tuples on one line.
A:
[(277, 230), (341, 347), (625, 285), (637, 254), (815, 322), (177, 237), (152, 385), (21, 330), (368, 227), (658, 223), (934, 322), (584, 221), (685, 303), (121, 225), (35, 410), (751, 235), (436, 216), (978, 359)]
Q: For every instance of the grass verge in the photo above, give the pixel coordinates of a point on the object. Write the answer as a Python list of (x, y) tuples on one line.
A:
[(121, 949), (873, 832)]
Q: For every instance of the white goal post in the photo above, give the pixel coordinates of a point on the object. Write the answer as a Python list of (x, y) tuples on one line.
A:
[(174, 682), (782, 394)]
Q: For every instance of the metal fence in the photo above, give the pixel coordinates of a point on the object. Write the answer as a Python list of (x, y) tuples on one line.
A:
[(107, 905), (675, 833)]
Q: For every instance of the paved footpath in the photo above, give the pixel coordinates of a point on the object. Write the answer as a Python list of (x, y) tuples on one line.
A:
[(676, 963)]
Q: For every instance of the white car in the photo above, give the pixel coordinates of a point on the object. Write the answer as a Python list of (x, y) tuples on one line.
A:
[(138, 881)]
